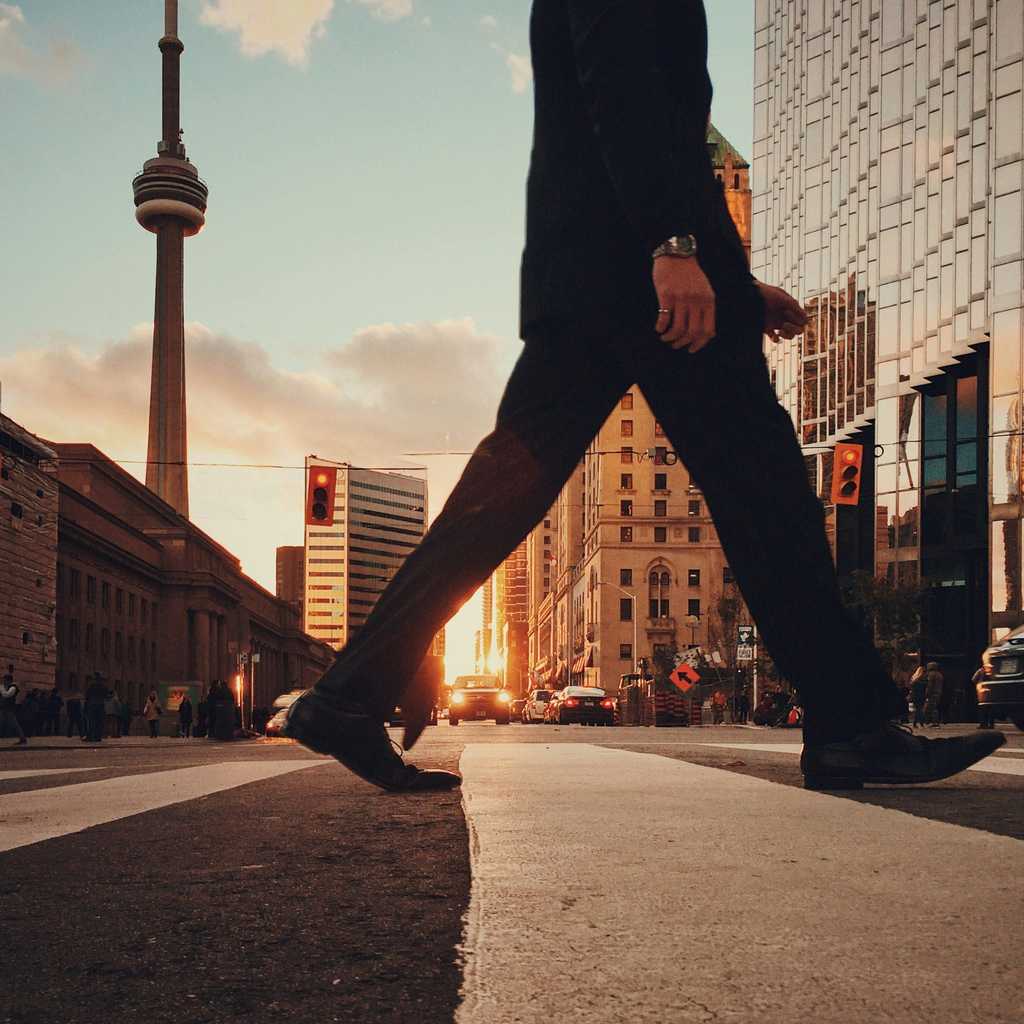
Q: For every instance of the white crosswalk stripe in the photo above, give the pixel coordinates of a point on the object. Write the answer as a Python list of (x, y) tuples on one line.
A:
[(613, 887), (37, 815), (997, 764)]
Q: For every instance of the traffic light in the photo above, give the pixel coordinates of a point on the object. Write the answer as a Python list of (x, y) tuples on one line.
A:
[(323, 482), (846, 474), (662, 456)]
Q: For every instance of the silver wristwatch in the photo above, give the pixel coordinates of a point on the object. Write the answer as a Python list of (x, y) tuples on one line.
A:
[(683, 246)]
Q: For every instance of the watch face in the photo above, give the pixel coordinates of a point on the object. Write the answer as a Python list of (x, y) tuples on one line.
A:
[(687, 245)]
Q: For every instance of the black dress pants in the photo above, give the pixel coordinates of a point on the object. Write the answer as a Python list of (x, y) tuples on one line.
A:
[(721, 415)]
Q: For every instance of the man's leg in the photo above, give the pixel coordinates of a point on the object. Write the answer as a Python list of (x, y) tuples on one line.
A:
[(722, 415), (561, 391)]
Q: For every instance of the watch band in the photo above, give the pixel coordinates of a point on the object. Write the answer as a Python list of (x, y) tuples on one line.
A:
[(682, 246)]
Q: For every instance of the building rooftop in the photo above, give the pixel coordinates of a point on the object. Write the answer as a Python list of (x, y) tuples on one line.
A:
[(722, 150)]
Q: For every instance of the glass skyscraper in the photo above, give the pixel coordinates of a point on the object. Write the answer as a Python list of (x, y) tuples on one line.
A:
[(888, 148)]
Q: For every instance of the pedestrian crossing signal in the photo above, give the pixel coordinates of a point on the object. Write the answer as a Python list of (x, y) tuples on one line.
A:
[(320, 490), (846, 474)]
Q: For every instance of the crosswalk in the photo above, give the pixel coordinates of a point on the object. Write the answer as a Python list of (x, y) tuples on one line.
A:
[(37, 815), (616, 887)]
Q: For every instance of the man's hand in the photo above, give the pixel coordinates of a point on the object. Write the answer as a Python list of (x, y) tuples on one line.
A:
[(784, 317), (687, 301)]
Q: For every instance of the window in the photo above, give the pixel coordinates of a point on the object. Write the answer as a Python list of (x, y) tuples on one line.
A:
[(659, 583), (693, 508), (118, 647), (625, 652), (89, 636), (661, 508), (625, 609), (693, 607), (143, 611), (73, 634), (625, 455), (90, 589), (625, 508), (105, 595), (693, 577), (119, 601), (727, 576), (627, 401), (105, 643), (76, 583), (626, 428), (626, 482), (693, 534), (659, 430), (547, 541), (131, 606), (625, 577), (547, 524), (661, 481), (131, 650), (660, 534), (626, 534)]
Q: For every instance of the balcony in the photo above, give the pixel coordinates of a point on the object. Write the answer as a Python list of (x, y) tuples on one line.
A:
[(662, 624)]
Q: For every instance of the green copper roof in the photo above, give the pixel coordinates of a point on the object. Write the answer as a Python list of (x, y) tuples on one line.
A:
[(719, 147)]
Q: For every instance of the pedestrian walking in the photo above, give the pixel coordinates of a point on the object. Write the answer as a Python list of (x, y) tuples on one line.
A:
[(918, 689), (51, 717), (934, 684), (126, 718), (9, 707), (634, 273), (73, 707), (744, 707), (95, 708), (152, 712), (185, 717)]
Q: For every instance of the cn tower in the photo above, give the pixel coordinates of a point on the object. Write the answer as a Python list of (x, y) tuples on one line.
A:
[(170, 201)]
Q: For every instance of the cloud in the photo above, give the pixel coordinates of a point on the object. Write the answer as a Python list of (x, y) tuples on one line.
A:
[(52, 64), (392, 388), (269, 26), (388, 10), (522, 72), (488, 23)]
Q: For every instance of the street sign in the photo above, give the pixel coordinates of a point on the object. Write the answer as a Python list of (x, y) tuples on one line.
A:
[(745, 652), (745, 635), (690, 657), (685, 677)]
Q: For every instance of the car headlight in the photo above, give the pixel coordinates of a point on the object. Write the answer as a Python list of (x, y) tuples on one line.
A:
[(458, 698), (504, 697)]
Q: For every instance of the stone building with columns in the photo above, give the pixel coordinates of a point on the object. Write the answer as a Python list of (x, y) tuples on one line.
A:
[(146, 598)]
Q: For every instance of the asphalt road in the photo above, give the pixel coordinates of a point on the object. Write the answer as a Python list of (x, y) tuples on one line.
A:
[(191, 881)]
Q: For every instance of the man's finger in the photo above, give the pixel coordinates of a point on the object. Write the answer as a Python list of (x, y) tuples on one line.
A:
[(678, 333), (664, 321)]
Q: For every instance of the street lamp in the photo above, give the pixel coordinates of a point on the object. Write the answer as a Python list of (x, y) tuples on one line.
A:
[(632, 598)]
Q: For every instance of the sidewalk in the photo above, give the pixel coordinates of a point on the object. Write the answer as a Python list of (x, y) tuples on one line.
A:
[(59, 742)]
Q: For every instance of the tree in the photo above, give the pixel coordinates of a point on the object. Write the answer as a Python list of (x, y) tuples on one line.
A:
[(892, 610)]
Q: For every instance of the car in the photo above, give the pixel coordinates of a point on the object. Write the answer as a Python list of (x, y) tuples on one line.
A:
[(516, 709), (533, 707), (397, 718), (585, 705), (479, 698), (276, 724), (1001, 688)]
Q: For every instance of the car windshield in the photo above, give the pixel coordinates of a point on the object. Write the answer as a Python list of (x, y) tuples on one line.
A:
[(542, 695), (477, 683), (584, 691)]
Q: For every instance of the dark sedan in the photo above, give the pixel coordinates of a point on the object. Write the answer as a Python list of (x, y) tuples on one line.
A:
[(477, 699), (1001, 688), (585, 705)]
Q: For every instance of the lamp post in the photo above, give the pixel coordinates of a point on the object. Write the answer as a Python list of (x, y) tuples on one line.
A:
[(632, 598), (693, 621)]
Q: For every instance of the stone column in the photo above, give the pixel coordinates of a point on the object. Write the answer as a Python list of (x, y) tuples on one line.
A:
[(215, 648), (202, 645)]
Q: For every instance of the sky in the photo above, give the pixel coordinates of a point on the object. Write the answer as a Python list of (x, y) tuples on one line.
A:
[(354, 292)]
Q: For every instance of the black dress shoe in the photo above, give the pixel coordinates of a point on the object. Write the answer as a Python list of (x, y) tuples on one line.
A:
[(348, 733), (893, 756)]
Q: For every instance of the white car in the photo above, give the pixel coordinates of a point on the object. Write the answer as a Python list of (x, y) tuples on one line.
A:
[(533, 709)]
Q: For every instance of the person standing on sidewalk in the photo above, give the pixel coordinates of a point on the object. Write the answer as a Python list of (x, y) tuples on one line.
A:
[(73, 706), (185, 717), (152, 712), (9, 707), (95, 709), (934, 684), (634, 273), (126, 718)]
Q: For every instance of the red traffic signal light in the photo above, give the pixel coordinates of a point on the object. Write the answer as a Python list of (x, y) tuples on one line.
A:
[(320, 490), (846, 474)]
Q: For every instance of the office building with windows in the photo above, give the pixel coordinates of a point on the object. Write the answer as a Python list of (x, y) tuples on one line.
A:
[(379, 518), (887, 180)]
